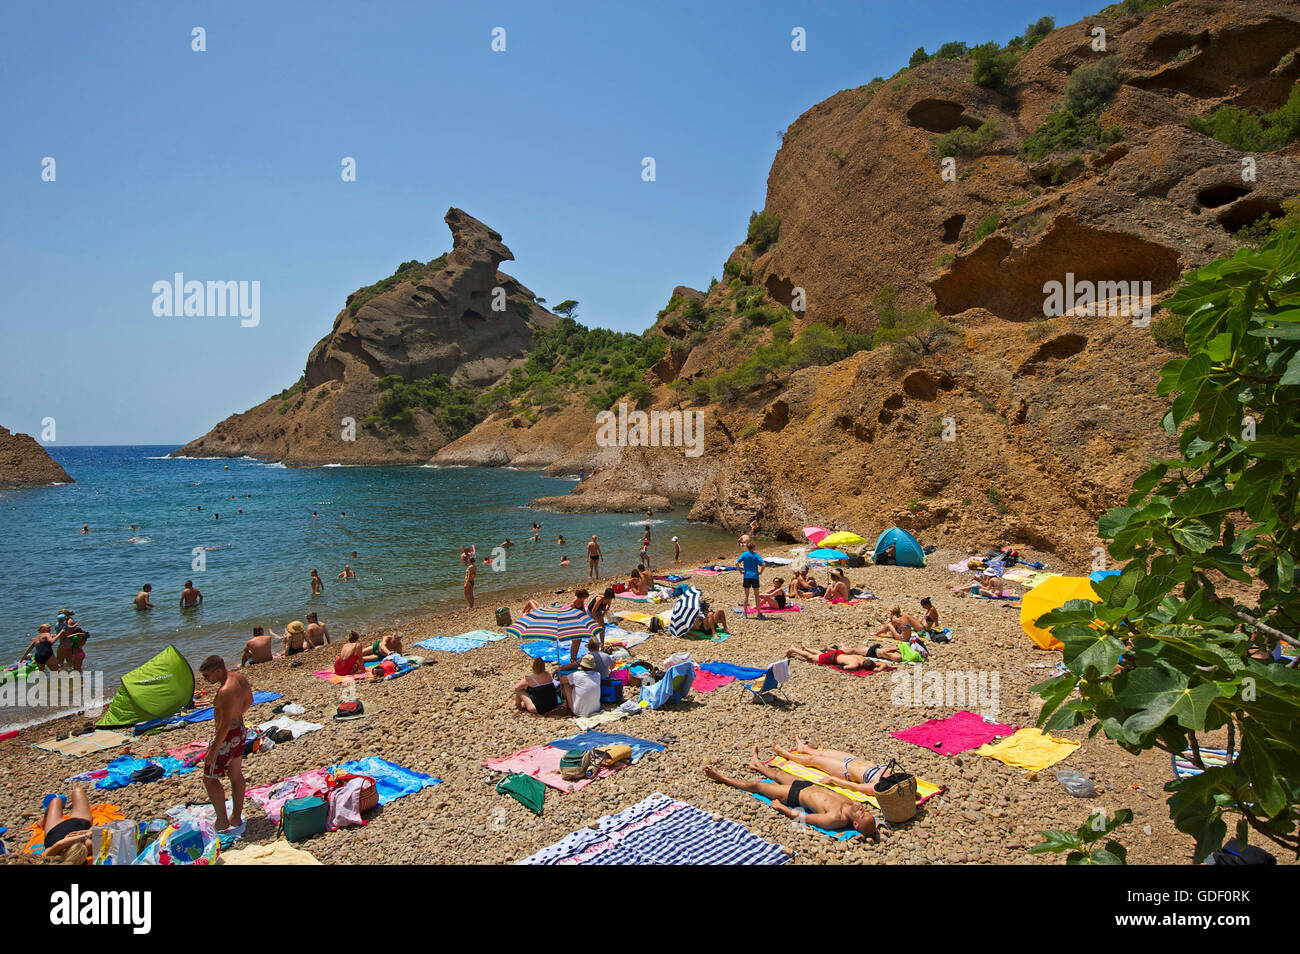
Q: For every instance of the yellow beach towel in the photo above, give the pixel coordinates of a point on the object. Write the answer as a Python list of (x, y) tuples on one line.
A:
[(1029, 749), (924, 789)]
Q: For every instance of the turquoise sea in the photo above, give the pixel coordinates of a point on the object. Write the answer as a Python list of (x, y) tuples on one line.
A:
[(405, 525)]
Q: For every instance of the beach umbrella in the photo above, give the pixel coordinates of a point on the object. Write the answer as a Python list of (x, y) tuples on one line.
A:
[(686, 610), (827, 554), (556, 623), (1051, 594), (842, 538), (815, 534)]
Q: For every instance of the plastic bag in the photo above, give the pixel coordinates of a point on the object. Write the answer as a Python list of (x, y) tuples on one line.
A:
[(114, 843), (1076, 783)]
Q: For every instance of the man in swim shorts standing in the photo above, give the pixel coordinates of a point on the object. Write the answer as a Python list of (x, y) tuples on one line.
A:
[(225, 756)]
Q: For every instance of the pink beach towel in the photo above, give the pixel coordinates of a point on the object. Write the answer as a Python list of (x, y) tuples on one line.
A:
[(542, 762), (703, 572), (788, 609), (861, 672), (315, 782), (191, 753), (957, 733), (706, 681)]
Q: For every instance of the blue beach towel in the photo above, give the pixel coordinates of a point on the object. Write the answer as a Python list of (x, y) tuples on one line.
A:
[(200, 715), (451, 644), (744, 673), (599, 740), (837, 835), (123, 767), (392, 780)]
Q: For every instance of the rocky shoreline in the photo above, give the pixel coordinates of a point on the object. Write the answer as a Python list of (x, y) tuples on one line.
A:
[(990, 813)]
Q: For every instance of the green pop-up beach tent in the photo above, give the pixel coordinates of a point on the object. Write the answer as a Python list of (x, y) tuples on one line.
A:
[(157, 689)]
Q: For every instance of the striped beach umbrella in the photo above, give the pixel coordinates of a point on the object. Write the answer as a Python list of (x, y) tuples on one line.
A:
[(556, 623), (686, 610)]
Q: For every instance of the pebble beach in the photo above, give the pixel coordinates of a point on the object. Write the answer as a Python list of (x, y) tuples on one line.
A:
[(989, 812)]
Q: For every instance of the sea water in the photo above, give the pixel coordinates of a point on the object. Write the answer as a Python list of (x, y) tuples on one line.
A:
[(405, 524)]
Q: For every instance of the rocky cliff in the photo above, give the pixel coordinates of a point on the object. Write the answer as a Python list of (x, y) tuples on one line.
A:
[(1012, 426), (431, 334), (24, 463)]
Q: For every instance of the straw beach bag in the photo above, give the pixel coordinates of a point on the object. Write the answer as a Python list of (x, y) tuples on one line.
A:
[(896, 794)]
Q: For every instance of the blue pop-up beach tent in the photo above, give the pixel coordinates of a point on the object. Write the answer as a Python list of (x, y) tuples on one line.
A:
[(907, 552)]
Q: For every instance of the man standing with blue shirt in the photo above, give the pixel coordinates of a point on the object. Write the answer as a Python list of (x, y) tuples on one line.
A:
[(752, 565)]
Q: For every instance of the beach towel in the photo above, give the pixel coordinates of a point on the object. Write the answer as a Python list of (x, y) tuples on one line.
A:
[(924, 790), (843, 602), (549, 650), (329, 675), (791, 608), (861, 672), (1029, 749), (959, 567), (119, 771), (837, 835), (703, 571), (80, 745), (1020, 574), (482, 635), (392, 780), (635, 616), (524, 789), (777, 561), (627, 639), (706, 681), (654, 596), (957, 733), (1184, 767), (297, 727), (100, 814), (600, 740), (276, 853), (660, 831), (736, 672), (272, 797), (720, 636), (606, 715), (542, 762), (200, 715), (191, 752), (450, 644)]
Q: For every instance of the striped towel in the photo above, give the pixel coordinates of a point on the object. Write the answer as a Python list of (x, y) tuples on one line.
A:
[(660, 831), (1185, 768)]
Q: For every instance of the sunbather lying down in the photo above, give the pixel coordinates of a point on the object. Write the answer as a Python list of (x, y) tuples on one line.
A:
[(848, 770), (850, 658), (825, 809)]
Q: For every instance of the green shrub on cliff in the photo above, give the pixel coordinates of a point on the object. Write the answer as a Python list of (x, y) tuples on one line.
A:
[(1076, 123), (964, 141), (1250, 130), (764, 227)]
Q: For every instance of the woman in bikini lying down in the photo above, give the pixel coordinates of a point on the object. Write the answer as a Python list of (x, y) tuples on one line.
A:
[(848, 770)]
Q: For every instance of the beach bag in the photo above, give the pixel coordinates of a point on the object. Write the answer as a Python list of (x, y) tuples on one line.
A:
[(573, 765), (114, 843), (896, 794), (369, 790), (345, 803), (611, 692), (304, 817), (503, 616), (610, 756)]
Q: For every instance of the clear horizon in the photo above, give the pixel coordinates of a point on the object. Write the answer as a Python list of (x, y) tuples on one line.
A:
[(225, 165)]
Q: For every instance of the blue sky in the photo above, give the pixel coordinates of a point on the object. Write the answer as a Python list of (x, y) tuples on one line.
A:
[(225, 165)]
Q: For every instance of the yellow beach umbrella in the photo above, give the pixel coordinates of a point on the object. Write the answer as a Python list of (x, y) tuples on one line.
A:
[(1051, 594), (842, 538)]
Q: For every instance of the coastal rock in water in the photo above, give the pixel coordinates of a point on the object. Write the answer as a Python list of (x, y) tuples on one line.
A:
[(24, 462), (454, 326)]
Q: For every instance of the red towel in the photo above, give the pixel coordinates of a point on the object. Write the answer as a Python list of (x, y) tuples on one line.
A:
[(706, 681), (957, 733)]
